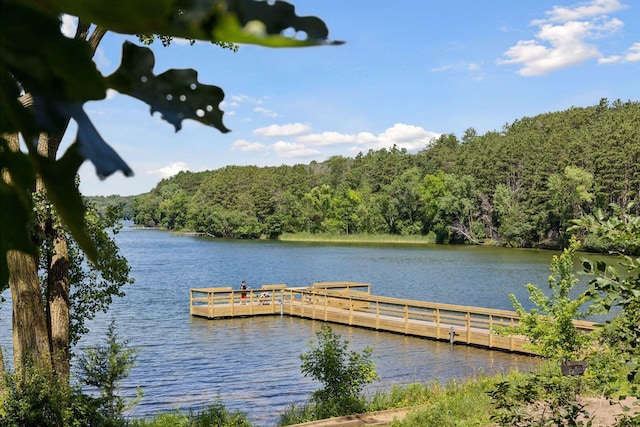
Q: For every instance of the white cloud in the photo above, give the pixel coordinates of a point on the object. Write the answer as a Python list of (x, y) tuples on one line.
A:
[(611, 59), (291, 150), (69, 25), (406, 136), (169, 170), (279, 131), (302, 145), (330, 138), (633, 53), (101, 59), (442, 68), (472, 69), (247, 146), (565, 38), (111, 93), (266, 112), (246, 99), (402, 135), (588, 10)]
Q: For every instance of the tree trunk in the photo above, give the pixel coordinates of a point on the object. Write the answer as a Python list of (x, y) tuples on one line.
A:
[(57, 304), (41, 332), (30, 337), (58, 299), (58, 286)]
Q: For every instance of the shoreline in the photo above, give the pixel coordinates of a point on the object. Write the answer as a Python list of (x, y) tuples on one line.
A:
[(357, 238)]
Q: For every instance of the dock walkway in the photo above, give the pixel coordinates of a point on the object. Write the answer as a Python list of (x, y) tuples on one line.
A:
[(351, 303)]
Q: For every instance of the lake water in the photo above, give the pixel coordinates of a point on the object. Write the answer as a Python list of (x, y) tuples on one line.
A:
[(253, 364)]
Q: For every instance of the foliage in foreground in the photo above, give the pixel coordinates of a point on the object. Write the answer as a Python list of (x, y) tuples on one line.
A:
[(549, 325), (57, 75), (104, 366), (454, 403), (539, 400), (37, 397), (214, 415), (343, 374)]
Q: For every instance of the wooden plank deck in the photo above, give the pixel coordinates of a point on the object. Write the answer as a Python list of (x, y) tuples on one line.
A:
[(350, 303)]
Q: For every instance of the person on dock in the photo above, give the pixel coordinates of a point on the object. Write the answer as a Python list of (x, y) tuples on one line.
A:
[(243, 295), (264, 298)]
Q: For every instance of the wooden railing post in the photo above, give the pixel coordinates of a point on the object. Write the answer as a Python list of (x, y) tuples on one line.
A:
[(406, 318), (326, 307), (210, 303), (350, 311), (490, 331), (468, 322), (511, 337), (232, 298)]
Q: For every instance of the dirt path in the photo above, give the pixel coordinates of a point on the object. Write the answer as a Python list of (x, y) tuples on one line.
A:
[(379, 418), (602, 412)]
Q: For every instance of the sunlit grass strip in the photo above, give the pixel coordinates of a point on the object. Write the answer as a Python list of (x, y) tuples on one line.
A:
[(357, 238), (452, 404)]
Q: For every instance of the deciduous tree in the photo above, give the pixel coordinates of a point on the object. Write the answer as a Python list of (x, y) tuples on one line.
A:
[(46, 78)]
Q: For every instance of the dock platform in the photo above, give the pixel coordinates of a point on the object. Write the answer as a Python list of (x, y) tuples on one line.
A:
[(351, 303)]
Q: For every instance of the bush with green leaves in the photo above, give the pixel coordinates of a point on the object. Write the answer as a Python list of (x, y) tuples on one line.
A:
[(214, 415), (617, 359), (539, 399), (549, 325), (36, 398), (343, 374), (104, 367)]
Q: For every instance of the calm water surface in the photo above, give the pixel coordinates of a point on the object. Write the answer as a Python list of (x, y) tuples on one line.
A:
[(253, 364)]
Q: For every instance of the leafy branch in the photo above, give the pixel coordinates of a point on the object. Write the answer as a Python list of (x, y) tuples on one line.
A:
[(46, 78)]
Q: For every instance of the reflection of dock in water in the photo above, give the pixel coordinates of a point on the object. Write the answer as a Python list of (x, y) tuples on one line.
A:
[(351, 303)]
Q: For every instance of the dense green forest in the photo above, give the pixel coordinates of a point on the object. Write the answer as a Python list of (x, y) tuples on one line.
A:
[(517, 187), (102, 203)]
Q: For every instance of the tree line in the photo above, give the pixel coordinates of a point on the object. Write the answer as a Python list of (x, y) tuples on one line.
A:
[(518, 187)]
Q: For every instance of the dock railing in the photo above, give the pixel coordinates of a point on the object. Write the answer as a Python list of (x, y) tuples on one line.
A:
[(227, 302), (352, 304)]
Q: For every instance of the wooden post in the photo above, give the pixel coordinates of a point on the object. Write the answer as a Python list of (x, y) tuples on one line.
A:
[(326, 307), (406, 318), (490, 331), (281, 302), (233, 302)]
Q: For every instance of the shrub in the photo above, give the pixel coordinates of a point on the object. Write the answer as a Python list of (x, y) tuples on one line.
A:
[(549, 325), (36, 398), (342, 373), (214, 415), (103, 367)]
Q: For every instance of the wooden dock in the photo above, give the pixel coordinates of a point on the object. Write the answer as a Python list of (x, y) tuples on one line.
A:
[(351, 303)]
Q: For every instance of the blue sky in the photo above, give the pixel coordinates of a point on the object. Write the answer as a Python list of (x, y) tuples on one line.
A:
[(410, 70)]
